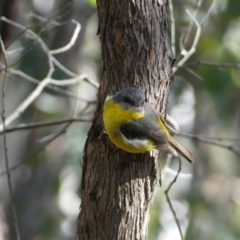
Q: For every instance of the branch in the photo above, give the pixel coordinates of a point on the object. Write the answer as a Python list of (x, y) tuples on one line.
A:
[(169, 201), (72, 41), (231, 147), (194, 73), (180, 175), (54, 88), (48, 80), (208, 12), (15, 218), (212, 64), (186, 37), (44, 20), (44, 124), (73, 81), (61, 131), (188, 54), (173, 31), (51, 58), (29, 100)]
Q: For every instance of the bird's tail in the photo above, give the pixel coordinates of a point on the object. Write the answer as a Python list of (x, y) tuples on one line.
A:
[(181, 149)]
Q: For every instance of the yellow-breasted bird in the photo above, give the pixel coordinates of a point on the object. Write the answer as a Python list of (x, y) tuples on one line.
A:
[(135, 127)]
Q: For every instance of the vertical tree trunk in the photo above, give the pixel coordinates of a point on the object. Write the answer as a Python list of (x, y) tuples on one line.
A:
[(117, 187)]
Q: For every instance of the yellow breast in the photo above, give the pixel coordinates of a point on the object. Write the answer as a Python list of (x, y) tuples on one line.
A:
[(114, 116)]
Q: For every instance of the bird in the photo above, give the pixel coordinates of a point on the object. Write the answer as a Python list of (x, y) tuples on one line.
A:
[(134, 126)]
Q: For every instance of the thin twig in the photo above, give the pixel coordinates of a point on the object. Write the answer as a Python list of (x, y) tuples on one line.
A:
[(208, 12), (53, 137), (63, 68), (54, 88), (209, 137), (173, 32), (231, 147), (44, 20), (26, 103), (72, 40), (169, 201), (187, 35), (5, 147), (50, 53), (36, 151), (63, 11), (35, 37), (24, 30), (194, 74), (181, 175), (73, 81), (212, 64), (48, 80), (167, 164), (49, 20), (28, 126), (22, 107), (189, 53)]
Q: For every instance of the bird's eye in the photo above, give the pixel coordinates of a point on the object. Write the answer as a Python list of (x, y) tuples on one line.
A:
[(127, 99), (134, 102)]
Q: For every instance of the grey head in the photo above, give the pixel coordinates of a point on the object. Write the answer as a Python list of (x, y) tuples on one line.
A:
[(130, 98)]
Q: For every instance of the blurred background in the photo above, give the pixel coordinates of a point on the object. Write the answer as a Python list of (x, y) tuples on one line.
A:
[(204, 101)]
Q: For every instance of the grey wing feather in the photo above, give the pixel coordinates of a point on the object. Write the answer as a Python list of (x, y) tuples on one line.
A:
[(145, 128)]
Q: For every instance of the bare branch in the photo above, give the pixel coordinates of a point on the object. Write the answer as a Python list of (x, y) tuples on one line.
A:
[(22, 107), (54, 88), (48, 80), (72, 41), (186, 37), (173, 31), (45, 20), (45, 124), (220, 139), (212, 64), (181, 175), (15, 218), (52, 138), (189, 53), (63, 68), (35, 37), (29, 100), (36, 151), (194, 74), (169, 201), (231, 147), (73, 81), (29, 31), (166, 166), (208, 12)]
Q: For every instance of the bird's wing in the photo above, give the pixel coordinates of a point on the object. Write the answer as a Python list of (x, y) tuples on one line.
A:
[(145, 128), (139, 130)]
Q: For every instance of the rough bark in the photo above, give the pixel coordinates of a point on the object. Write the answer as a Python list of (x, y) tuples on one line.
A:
[(8, 9), (117, 187)]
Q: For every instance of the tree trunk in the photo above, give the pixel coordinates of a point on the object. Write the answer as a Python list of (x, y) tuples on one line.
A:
[(117, 187)]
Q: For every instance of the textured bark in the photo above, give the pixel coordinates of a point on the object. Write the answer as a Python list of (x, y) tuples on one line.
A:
[(10, 10), (117, 187)]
